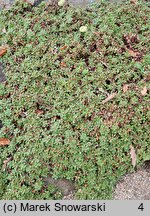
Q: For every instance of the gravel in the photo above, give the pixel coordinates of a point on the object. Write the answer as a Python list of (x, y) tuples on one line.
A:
[(134, 186), (2, 75)]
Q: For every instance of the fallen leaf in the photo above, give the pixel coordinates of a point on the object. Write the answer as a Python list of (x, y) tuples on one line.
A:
[(133, 53), (63, 64), (133, 1), (5, 162), (4, 141), (125, 88), (63, 48), (133, 155), (39, 112), (144, 91), (23, 114), (110, 97), (3, 50)]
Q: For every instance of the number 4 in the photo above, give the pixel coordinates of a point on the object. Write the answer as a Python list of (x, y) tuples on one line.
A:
[(141, 207)]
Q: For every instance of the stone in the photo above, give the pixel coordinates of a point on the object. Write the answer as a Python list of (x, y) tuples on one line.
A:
[(2, 75)]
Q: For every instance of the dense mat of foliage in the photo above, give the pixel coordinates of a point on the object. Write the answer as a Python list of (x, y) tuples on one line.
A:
[(56, 105)]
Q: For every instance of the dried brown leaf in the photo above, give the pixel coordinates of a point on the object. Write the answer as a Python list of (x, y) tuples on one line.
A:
[(64, 47), (133, 1), (133, 53), (5, 162), (133, 155), (125, 88), (63, 64), (144, 91), (4, 141), (3, 50), (110, 97), (39, 111)]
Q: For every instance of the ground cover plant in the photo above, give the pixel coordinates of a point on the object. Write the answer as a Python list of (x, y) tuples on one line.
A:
[(74, 103)]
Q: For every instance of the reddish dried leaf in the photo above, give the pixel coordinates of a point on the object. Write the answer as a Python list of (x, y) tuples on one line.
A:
[(64, 47), (133, 155), (4, 141), (133, 53), (133, 1), (63, 64), (43, 24), (125, 88), (110, 97), (39, 112), (144, 91), (3, 50)]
